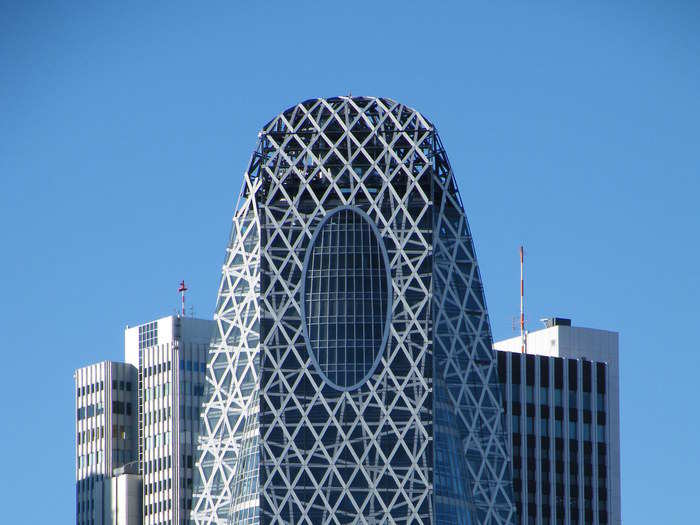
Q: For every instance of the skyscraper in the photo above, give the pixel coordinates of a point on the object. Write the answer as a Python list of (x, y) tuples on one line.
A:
[(142, 414), (351, 377), (170, 354), (564, 424), (105, 434)]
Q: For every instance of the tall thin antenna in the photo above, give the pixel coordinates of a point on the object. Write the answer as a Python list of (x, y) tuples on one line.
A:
[(182, 291), (523, 337)]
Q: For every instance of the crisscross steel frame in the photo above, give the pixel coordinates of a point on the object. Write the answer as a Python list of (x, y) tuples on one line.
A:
[(278, 444)]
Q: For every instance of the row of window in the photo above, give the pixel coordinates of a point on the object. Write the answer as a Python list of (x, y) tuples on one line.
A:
[(156, 392), (121, 432), (589, 370), (121, 407), (121, 385), (157, 486), (531, 518), (193, 366), (98, 387), (118, 407), (558, 428), (544, 395), (185, 365), (86, 484), (156, 416), (158, 464), (90, 411), (156, 369), (164, 438), (90, 459), (90, 434), (91, 388), (161, 506), (559, 469)]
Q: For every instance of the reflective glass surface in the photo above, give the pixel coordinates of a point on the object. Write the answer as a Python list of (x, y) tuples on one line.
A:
[(346, 298)]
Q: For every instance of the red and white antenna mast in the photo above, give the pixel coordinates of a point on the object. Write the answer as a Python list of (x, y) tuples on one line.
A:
[(182, 291), (523, 335)]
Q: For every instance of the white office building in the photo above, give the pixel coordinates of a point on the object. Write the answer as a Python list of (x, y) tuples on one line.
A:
[(142, 414), (562, 402), (105, 430), (170, 355)]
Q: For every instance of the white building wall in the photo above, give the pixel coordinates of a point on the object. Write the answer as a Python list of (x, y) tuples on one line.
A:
[(171, 378), (105, 427), (123, 504)]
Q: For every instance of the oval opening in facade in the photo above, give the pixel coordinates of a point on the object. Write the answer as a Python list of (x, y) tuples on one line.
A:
[(346, 298)]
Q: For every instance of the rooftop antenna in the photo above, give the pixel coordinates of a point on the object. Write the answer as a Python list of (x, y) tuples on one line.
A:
[(523, 335), (182, 291)]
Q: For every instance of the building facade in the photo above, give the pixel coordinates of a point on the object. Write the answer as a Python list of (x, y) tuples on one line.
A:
[(564, 424), (351, 378), (137, 424), (106, 433), (170, 355)]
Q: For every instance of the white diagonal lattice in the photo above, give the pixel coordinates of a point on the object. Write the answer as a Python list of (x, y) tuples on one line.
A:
[(421, 441)]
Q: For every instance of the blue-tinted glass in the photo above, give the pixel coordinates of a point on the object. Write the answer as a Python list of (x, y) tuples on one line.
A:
[(346, 298)]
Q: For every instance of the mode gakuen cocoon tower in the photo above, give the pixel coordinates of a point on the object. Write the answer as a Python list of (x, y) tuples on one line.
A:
[(351, 379)]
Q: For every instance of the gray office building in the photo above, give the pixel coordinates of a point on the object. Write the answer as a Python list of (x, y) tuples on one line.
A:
[(563, 421)]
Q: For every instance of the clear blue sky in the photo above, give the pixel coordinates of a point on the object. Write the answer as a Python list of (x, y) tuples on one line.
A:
[(572, 128)]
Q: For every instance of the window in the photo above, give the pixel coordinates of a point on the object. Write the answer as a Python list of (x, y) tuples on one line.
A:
[(346, 298), (587, 431), (601, 433), (530, 424), (148, 335), (515, 390), (586, 400), (600, 402)]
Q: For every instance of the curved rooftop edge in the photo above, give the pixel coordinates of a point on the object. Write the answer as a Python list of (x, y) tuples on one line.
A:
[(361, 103)]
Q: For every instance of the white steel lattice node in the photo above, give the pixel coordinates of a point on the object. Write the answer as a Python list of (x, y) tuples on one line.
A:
[(352, 378)]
